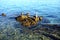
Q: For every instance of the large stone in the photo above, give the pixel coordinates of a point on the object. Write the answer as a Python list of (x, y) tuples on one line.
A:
[(26, 20), (3, 14)]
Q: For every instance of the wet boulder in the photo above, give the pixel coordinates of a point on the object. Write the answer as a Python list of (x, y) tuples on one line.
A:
[(3, 14), (26, 23), (45, 20), (40, 18), (56, 20), (27, 20)]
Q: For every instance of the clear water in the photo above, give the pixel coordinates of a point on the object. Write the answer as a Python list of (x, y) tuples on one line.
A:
[(11, 29), (46, 8)]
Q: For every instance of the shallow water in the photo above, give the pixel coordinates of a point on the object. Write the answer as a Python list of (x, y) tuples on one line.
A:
[(10, 29), (48, 9)]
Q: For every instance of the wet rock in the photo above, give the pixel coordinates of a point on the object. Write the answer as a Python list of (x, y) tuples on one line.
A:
[(45, 20), (3, 14), (52, 16), (40, 18), (26, 23), (26, 20)]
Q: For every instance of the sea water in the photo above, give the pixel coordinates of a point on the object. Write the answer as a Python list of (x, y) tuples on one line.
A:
[(49, 9)]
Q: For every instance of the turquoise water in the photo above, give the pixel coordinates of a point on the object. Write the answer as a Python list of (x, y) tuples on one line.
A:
[(10, 29), (46, 8)]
